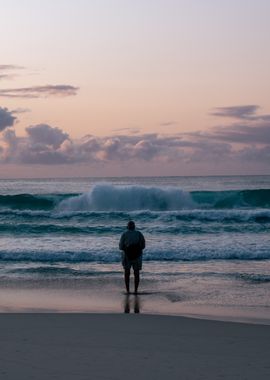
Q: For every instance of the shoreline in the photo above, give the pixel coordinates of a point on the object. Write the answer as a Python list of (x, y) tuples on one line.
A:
[(114, 346), (60, 300)]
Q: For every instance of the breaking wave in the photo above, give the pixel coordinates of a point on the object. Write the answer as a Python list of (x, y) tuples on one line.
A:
[(104, 197)]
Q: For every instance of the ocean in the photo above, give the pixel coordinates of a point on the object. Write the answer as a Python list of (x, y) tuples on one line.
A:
[(207, 244)]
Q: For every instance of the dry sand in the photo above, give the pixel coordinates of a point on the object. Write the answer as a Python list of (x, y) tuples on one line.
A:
[(133, 346)]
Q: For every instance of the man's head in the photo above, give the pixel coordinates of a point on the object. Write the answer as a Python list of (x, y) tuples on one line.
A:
[(131, 225)]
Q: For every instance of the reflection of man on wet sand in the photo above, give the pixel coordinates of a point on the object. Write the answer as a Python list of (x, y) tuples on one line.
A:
[(132, 243), (136, 304)]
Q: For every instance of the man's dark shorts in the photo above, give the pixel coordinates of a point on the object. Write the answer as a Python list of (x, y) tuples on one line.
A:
[(135, 264)]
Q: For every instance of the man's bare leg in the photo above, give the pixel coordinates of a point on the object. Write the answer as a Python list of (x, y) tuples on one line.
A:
[(127, 276), (136, 280)]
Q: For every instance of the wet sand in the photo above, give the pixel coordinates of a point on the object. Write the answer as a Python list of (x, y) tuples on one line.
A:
[(82, 297)]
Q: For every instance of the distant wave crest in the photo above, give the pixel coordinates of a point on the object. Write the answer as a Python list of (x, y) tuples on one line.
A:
[(152, 254)]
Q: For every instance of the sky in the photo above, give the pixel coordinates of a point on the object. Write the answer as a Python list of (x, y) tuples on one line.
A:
[(123, 87)]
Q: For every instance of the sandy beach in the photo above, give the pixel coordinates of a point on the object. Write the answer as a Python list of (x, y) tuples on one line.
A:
[(116, 346)]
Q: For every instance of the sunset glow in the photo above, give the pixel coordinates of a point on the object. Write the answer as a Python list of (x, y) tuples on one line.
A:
[(114, 87)]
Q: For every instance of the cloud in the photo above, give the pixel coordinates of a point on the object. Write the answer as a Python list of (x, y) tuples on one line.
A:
[(169, 123), (60, 90), (6, 118), (251, 129), (42, 145), (237, 112), (4, 76), (256, 133), (10, 144), (233, 145), (48, 145), (255, 154), (21, 110), (10, 67), (244, 113), (132, 130), (46, 135), (4, 68)]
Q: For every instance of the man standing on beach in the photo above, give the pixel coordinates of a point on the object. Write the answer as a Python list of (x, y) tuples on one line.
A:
[(132, 243)]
